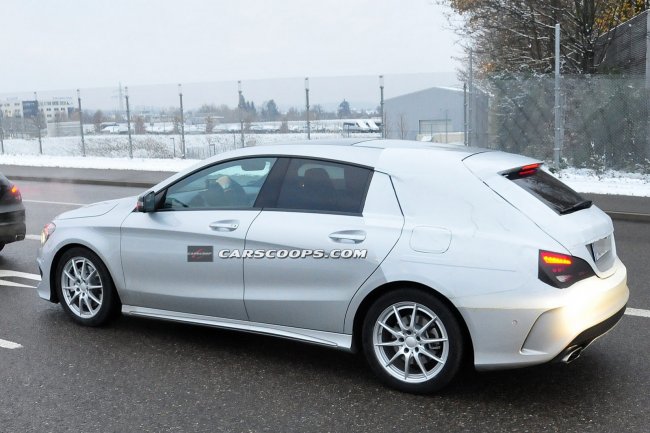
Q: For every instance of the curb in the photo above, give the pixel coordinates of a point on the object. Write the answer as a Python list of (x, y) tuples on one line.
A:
[(132, 184), (629, 216)]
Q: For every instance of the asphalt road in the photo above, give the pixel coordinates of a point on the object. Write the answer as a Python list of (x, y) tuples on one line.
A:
[(141, 375)]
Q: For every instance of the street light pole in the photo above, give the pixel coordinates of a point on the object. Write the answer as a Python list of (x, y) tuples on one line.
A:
[(38, 124), (241, 114), (128, 120), (381, 106), (470, 101), (557, 147), (180, 94), (2, 134), (307, 103), (81, 125)]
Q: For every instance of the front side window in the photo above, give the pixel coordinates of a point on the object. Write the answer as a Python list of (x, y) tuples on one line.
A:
[(230, 185), (323, 186)]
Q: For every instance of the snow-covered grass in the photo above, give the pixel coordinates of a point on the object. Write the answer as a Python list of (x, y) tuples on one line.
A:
[(198, 146), (610, 182)]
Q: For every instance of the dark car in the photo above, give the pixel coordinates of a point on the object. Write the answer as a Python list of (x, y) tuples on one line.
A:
[(12, 213)]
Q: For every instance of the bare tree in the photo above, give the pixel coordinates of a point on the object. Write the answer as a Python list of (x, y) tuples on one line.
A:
[(139, 126), (209, 125), (98, 118), (517, 36)]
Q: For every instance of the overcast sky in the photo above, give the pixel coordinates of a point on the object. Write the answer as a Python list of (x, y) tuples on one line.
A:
[(52, 45)]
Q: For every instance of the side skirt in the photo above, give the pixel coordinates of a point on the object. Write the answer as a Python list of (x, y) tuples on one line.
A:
[(329, 339)]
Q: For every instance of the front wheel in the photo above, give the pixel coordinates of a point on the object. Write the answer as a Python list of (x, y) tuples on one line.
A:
[(85, 288), (412, 341)]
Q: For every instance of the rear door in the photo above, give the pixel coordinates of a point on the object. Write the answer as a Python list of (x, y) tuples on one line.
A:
[(319, 206)]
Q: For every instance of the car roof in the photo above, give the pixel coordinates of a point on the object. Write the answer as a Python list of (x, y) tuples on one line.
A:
[(363, 151), (389, 156)]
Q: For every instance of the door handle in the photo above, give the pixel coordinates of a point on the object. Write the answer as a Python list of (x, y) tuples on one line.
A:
[(225, 225), (349, 236)]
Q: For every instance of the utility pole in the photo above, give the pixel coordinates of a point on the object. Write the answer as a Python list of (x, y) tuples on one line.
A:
[(470, 108), (446, 126), (307, 103), (465, 114), (557, 148), (241, 114), (38, 125), (128, 120), (381, 106), (180, 94), (81, 125), (2, 134)]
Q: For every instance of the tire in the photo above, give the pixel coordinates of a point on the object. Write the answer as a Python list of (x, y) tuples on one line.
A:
[(433, 343), (2, 246), (85, 288)]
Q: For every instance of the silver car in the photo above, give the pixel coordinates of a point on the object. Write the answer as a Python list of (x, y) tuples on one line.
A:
[(418, 255)]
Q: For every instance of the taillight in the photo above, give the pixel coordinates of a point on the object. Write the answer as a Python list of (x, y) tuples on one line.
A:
[(524, 171), (561, 270), (11, 195)]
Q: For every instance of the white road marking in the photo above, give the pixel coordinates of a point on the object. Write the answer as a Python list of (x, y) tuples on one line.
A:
[(17, 274), (637, 312), (54, 202), (32, 237), (9, 344)]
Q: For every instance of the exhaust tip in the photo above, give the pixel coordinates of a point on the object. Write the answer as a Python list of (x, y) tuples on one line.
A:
[(572, 354)]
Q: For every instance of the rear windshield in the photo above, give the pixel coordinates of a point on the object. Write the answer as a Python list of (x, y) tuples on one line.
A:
[(552, 192)]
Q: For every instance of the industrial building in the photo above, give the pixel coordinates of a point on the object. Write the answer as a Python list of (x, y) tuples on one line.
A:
[(440, 114)]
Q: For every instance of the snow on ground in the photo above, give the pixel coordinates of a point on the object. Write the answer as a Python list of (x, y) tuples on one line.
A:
[(610, 182), (156, 153)]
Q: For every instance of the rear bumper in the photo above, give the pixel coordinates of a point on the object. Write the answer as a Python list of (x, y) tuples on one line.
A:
[(517, 329), (12, 226), (587, 337)]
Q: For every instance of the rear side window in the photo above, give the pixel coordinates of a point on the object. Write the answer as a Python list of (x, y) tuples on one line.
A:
[(323, 186), (548, 189)]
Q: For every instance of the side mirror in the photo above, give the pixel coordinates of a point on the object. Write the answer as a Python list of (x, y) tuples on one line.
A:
[(146, 202)]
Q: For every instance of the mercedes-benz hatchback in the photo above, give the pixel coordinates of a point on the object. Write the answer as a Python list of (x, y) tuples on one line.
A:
[(416, 254)]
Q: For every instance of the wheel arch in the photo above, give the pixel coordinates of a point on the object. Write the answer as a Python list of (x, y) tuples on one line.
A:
[(379, 291), (54, 296)]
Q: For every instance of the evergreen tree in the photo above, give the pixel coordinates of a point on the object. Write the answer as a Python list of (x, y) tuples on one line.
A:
[(344, 110)]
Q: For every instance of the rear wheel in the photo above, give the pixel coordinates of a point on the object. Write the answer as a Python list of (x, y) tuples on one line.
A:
[(85, 288), (2, 245), (412, 341)]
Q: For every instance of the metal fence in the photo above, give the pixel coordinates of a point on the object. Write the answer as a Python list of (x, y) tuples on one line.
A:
[(604, 120), (197, 120)]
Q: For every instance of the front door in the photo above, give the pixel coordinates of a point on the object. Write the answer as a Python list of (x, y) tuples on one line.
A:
[(171, 258)]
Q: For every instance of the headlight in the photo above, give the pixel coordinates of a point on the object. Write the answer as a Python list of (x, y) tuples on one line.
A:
[(47, 232)]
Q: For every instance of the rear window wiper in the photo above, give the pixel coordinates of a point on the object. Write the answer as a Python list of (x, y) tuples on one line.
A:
[(584, 204)]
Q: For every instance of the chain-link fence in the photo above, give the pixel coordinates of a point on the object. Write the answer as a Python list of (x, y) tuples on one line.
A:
[(197, 120), (605, 118), (605, 123)]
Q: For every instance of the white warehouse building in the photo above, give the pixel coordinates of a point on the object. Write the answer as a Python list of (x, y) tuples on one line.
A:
[(438, 114)]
